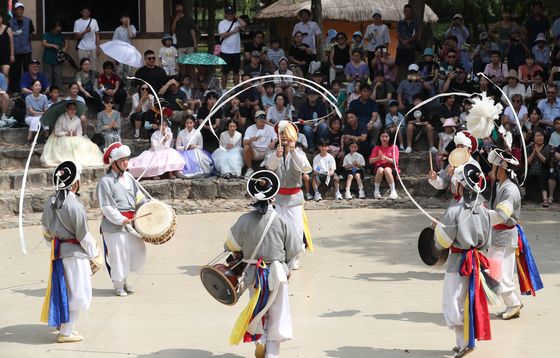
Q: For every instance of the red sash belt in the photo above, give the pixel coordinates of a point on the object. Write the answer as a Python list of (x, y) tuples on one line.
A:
[(68, 241), (128, 214), (503, 227), (456, 250), (289, 191)]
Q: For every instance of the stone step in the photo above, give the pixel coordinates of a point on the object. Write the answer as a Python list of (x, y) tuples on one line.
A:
[(41, 178), (176, 189)]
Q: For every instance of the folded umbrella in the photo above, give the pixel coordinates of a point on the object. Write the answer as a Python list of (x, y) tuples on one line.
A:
[(123, 52), (51, 115), (201, 58)]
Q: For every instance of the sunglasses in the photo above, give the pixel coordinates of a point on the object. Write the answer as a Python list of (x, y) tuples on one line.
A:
[(109, 102), (551, 92), (516, 100), (143, 88), (151, 58), (451, 56)]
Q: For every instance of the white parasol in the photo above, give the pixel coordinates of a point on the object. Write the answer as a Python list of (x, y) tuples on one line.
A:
[(123, 52)]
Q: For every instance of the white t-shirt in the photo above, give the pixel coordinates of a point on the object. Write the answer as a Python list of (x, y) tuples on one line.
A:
[(231, 44), (353, 157), (554, 140), (324, 164), (522, 112), (275, 116), (88, 41), (376, 35), (266, 135), (168, 56), (121, 33), (310, 30)]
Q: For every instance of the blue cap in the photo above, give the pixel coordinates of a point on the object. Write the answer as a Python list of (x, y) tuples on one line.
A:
[(429, 52)]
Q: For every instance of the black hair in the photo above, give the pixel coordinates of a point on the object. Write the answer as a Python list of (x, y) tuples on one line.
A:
[(108, 64), (286, 102), (351, 111), (365, 86), (54, 24), (335, 82), (33, 82), (535, 109), (258, 32), (72, 84), (451, 50), (297, 32), (557, 119), (407, 6), (187, 117), (268, 84), (341, 34), (357, 50), (308, 12), (230, 121), (391, 136), (106, 98), (495, 52), (83, 60), (149, 52), (275, 40), (211, 94), (417, 96), (323, 142), (53, 88)]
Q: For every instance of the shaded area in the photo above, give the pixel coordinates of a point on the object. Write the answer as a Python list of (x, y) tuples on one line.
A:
[(191, 270), (400, 276), (345, 313), (368, 352), (34, 334), (40, 292), (190, 353), (418, 317)]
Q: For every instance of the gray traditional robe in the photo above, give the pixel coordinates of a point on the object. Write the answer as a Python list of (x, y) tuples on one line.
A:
[(114, 197), (281, 243), (75, 226), (289, 169), (464, 230), (507, 205)]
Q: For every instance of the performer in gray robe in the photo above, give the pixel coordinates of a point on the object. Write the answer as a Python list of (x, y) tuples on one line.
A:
[(119, 195), (268, 244), (465, 230), (65, 228), (506, 211), (289, 163)]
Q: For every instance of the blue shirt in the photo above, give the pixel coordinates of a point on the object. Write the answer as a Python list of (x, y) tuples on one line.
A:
[(549, 112), (3, 83), (389, 122), (26, 81), (363, 110)]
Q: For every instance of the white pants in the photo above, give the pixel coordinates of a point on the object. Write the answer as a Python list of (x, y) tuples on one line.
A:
[(454, 294), (77, 274), (125, 253), (34, 123), (506, 254), (294, 216), (279, 322)]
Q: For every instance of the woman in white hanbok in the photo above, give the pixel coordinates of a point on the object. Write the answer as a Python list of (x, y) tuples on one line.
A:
[(198, 162), (67, 143), (160, 159), (228, 158)]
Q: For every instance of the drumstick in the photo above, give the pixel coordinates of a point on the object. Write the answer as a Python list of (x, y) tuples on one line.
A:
[(431, 163), (141, 216)]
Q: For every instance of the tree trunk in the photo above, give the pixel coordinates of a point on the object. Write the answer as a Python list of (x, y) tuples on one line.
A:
[(317, 13), (188, 6), (211, 25), (426, 34)]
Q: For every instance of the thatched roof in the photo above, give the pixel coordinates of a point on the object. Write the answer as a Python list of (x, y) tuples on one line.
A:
[(345, 10)]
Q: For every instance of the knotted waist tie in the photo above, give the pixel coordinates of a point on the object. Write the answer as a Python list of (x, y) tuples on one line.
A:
[(476, 315), (289, 191)]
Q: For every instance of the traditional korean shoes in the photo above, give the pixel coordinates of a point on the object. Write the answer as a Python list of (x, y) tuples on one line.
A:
[(260, 350), (120, 292), (463, 352), (512, 312), (61, 338)]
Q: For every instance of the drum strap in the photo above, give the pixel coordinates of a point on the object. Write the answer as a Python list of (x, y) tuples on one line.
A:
[(267, 227)]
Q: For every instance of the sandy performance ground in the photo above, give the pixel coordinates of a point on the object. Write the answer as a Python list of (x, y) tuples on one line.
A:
[(362, 293)]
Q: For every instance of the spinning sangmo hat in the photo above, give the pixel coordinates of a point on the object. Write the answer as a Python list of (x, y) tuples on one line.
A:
[(501, 158), (288, 128), (66, 174), (115, 152), (263, 185), (470, 176)]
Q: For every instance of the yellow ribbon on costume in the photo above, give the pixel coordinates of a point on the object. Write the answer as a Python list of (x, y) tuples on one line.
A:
[(307, 232), (466, 318), (47, 300), (240, 327)]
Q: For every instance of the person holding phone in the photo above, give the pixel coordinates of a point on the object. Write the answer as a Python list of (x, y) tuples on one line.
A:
[(86, 31)]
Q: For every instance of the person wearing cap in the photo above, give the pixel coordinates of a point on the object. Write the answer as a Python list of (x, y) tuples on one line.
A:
[(33, 74), (541, 51), (358, 42), (482, 52), (309, 29), (458, 29), (255, 67), (508, 239), (513, 87), (408, 33), (258, 141), (377, 34), (86, 31), (457, 81), (119, 196), (312, 116), (537, 23), (412, 85), (230, 50), (339, 55), (22, 29), (53, 41), (168, 55), (465, 230), (67, 142), (65, 228), (428, 68), (270, 261)]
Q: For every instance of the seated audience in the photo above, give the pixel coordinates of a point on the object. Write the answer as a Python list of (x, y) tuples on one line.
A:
[(324, 171), (198, 162), (353, 165), (259, 139), (228, 158), (108, 123), (385, 160)]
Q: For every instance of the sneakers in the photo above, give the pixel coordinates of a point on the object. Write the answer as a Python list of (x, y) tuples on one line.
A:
[(377, 195), (393, 195), (361, 194), (249, 172), (512, 312), (120, 292), (434, 150), (308, 196), (317, 197), (401, 148), (61, 338), (338, 195), (128, 287), (348, 195), (408, 150)]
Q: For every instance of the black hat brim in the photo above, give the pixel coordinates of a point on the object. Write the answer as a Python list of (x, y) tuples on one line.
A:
[(268, 187)]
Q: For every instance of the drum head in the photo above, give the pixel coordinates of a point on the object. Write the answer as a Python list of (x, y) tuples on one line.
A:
[(218, 285), (155, 224), (427, 249)]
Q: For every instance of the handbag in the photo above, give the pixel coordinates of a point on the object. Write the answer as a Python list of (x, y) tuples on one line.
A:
[(218, 46), (60, 56)]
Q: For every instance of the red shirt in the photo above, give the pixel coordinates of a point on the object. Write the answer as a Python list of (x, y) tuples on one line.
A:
[(108, 83), (391, 151)]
